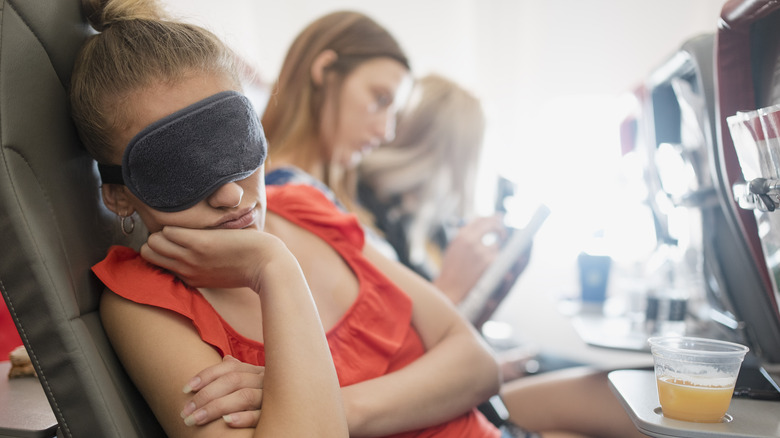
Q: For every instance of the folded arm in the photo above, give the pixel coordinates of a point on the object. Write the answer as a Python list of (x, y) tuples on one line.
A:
[(162, 350), (456, 373)]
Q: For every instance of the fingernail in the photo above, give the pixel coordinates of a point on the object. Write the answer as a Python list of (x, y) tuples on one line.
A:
[(192, 383), (200, 415), (195, 418), (228, 419), (188, 409)]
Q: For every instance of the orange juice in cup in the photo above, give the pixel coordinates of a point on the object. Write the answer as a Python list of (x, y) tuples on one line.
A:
[(685, 400), (695, 376)]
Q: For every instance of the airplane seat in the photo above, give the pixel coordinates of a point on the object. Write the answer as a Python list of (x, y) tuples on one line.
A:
[(53, 227), (747, 78), (722, 269), (678, 131)]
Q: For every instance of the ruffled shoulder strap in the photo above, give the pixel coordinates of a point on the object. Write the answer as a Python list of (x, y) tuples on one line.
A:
[(125, 273), (306, 206)]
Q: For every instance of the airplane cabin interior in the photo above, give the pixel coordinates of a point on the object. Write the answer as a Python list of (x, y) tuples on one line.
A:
[(705, 126)]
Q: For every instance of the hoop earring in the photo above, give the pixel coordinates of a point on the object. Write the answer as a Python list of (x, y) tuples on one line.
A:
[(127, 226)]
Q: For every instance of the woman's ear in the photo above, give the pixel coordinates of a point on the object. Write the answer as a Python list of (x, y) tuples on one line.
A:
[(116, 199), (321, 62)]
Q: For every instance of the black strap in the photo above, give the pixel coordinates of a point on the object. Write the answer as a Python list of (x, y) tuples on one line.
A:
[(111, 174), (760, 187)]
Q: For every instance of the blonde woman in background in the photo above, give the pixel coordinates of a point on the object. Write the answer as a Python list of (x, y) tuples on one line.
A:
[(420, 186)]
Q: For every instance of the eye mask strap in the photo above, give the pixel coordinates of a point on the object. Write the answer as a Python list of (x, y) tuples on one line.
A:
[(111, 174)]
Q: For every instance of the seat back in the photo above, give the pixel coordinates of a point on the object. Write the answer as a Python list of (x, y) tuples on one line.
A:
[(680, 96), (53, 227), (679, 138), (746, 72)]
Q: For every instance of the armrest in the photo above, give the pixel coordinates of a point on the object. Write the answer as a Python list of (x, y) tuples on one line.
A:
[(24, 409)]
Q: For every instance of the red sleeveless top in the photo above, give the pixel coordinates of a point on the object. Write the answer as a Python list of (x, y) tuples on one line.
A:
[(374, 337)]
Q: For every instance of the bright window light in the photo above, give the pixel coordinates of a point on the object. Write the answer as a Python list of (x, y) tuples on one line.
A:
[(568, 157)]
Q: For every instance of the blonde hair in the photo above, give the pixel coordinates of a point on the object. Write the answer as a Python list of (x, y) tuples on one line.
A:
[(292, 116), (137, 45), (431, 164)]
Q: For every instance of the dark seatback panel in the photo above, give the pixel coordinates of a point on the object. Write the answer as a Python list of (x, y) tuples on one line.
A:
[(53, 227)]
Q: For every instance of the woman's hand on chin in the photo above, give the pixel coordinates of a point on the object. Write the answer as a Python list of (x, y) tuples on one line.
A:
[(213, 258)]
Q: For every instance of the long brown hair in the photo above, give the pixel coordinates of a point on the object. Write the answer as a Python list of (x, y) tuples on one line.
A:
[(291, 119)]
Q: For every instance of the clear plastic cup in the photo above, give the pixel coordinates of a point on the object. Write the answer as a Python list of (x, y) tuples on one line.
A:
[(695, 376)]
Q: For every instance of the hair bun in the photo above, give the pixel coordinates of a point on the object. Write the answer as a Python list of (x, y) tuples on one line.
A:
[(101, 14)]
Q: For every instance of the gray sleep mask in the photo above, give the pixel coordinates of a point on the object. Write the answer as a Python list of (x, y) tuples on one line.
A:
[(181, 159)]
